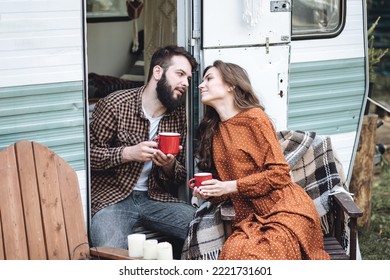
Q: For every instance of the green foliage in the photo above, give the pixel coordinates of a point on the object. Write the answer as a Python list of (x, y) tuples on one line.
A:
[(374, 54), (375, 242)]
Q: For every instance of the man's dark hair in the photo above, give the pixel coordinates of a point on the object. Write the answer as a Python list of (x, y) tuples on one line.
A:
[(163, 55)]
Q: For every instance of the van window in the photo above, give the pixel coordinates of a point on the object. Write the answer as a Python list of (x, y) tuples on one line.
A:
[(317, 18)]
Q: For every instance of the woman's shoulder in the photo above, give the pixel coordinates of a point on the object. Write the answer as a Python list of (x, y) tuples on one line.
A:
[(248, 117), (256, 117), (255, 114)]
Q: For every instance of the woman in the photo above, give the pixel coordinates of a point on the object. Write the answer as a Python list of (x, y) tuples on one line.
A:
[(275, 218)]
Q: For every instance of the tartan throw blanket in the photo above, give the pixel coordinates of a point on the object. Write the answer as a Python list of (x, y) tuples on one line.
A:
[(205, 235), (314, 166)]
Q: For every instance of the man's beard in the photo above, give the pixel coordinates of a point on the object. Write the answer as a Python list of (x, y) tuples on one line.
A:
[(165, 94)]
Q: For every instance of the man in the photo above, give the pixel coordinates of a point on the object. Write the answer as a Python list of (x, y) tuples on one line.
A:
[(132, 181)]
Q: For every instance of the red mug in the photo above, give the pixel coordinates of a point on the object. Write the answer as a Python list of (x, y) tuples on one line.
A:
[(168, 142), (198, 179)]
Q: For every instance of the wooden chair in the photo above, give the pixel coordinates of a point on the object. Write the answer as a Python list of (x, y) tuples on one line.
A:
[(41, 213)]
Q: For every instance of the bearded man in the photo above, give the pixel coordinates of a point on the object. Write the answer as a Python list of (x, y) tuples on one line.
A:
[(133, 182)]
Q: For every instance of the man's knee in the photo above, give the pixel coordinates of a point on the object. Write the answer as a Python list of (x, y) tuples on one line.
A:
[(108, 231)]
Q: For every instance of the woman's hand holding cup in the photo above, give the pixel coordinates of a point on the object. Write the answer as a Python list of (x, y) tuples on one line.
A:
[(196, 183), (204, 186)]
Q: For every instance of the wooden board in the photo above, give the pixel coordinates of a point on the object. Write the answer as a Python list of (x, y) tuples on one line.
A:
[(73, 211), (12, 218), (31, 203)]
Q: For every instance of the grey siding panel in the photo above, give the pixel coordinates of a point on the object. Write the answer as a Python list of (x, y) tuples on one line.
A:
[(51, 114), (326, 96)]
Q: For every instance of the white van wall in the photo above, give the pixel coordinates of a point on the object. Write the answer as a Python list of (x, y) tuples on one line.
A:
[(328, 82), (40, 42), (327, 78)]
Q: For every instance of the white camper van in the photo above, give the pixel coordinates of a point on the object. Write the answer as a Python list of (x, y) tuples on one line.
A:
[(306, 59)]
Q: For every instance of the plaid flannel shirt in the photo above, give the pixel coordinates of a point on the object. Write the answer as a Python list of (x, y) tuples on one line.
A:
[(119, 121)]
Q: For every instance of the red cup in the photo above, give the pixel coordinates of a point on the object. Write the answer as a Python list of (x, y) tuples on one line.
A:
[(198, 179), (168, 142)]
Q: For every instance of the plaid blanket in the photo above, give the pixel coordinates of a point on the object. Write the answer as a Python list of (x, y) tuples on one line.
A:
[(206, 234), (314, 167)]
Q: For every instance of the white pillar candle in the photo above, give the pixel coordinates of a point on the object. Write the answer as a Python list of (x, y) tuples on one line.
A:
[(164, 251), (136, 245), (150, 249)]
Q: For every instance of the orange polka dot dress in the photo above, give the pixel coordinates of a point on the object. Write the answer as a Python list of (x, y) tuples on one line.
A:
[(275, 218)]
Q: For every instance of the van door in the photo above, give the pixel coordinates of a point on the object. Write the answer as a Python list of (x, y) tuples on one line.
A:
[(256, 35)]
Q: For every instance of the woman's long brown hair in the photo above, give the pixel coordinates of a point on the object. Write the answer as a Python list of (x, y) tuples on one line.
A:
[(244, 98)]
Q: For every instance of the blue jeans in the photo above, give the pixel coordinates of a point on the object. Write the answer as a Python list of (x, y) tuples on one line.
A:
[(111, 225)]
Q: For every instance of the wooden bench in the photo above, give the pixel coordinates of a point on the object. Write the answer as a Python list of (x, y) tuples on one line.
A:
[(41, 213), (343, 205)]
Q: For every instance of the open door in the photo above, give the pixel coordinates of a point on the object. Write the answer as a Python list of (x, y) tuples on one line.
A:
[(256, 35)]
